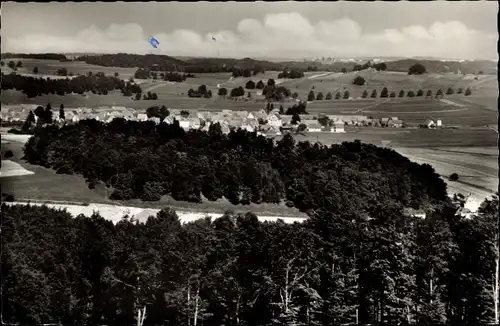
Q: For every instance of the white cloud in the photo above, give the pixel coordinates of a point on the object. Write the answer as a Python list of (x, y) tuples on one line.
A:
[(279, 35)]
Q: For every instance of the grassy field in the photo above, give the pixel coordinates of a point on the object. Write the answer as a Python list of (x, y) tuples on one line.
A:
[(476, 167), (415, 138), (50, 67)]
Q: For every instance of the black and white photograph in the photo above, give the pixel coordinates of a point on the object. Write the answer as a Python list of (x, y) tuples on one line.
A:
[(249, 163)]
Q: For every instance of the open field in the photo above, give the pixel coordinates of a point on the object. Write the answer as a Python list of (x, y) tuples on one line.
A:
[(404, 137), (45, 185), (50, 67), (12, 169), (116, 213), (476, 167), (394, 81)]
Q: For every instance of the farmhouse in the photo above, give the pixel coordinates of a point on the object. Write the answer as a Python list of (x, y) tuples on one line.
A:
[(439, 123), (430, 123), (396, 123), (194, 123), (142, 117), (156, 120), (183, 123), (274, 120), (337, 127), (384, 122), (286, 119)]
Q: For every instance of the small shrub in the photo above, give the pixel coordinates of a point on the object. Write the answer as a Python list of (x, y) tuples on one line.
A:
[(8, 154), (453, 177)]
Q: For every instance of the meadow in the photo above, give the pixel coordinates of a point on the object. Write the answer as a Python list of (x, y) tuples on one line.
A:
[(50, 67)]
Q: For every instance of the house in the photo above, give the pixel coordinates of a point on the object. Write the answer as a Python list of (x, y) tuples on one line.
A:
[(273, 131), (469, 207), (396, 123), (129, 116), (384, 122), (169, 120), (250, 116), (225, 129), (286, 119), (261, 114), (338, 127), (142, 117), (183, 122), (274, 120), (206, 127), (429, 123), (439, 123), (203, 115), (394, 118), (248, 127), (156, 120), (314, 127), (194, 123)]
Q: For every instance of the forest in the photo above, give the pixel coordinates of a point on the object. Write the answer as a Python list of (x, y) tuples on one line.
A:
[(146, 161), (96, 83), (336, 268)]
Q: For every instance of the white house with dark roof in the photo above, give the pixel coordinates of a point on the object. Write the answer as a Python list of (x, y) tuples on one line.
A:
[(338, 127), (274, 120), (430, 123)]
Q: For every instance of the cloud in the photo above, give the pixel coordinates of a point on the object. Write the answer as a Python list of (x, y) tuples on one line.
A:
[(276, 35)]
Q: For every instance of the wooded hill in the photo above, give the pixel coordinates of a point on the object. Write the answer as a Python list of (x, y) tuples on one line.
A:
[(147, 161)]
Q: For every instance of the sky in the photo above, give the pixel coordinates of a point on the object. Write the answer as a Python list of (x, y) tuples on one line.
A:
[(294, 30)]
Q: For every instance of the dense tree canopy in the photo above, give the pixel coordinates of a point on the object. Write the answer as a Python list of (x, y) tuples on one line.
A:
[(337, 268), (33, 87), (136, 157), (292, 74), (416, 69)]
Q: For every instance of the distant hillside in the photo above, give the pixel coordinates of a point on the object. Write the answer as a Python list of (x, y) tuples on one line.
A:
[(199, 65), (126, 60), (437, 66), (41, 56)]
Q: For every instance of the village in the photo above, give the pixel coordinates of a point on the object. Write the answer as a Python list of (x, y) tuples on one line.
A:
[(265, 123)]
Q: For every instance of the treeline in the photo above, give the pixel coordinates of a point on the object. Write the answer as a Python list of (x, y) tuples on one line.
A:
[(246, 72), (381, 66), (41, 56), (147, 161), (97, 84), (292, 74), (126, 60), (340, 267), (202, 91), (166, 76), (312, 96), (166, 63)]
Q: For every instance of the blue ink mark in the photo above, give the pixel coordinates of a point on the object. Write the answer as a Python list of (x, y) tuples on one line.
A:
[(154, 42)]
